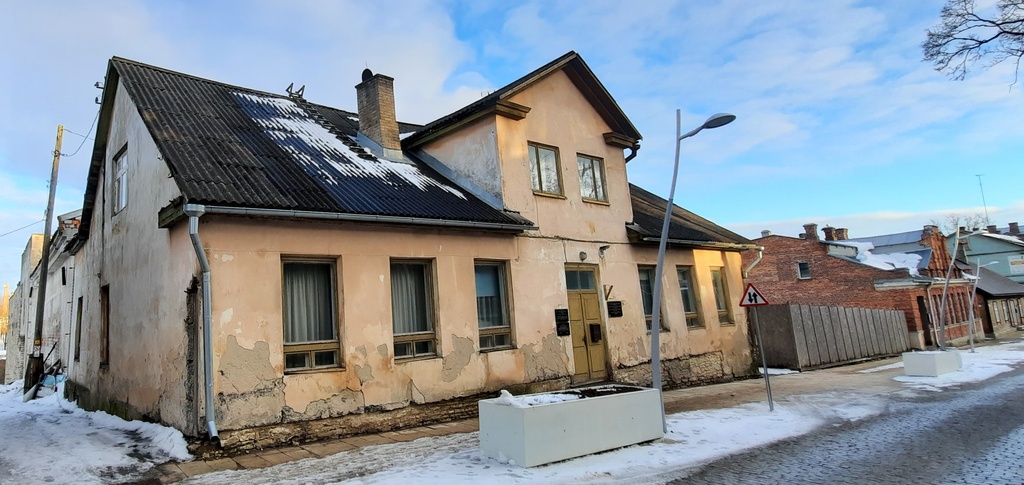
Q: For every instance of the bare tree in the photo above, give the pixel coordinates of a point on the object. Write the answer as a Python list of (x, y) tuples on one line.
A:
[(964, 37), (949, 223)]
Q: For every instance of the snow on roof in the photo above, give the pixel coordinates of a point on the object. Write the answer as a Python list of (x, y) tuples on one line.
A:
[(1005, 237), (886, 262)]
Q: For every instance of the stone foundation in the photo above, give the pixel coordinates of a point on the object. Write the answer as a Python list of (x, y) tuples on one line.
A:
[(694, 370)]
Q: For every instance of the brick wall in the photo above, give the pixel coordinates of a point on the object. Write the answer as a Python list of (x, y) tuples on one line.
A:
[(838, 282)]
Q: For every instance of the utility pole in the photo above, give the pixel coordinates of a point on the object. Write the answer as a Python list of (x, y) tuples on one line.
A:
[(34, 367), (983, 203)]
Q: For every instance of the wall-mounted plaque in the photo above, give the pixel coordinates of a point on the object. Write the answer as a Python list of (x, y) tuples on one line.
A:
[(614, 309), (562, 322)]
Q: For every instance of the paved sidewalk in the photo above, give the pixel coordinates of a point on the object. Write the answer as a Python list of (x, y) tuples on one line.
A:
[(846, 378)]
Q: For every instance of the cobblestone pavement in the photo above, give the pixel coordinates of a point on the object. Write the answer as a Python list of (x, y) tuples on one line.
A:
[(970, 435)]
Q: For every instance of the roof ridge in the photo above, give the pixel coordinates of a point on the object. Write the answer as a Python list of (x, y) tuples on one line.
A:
[(197, 78)]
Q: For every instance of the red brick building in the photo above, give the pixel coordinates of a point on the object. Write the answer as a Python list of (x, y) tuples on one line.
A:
[(903, 271)]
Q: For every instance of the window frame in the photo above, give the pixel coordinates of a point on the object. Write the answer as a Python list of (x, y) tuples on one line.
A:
[(104, 326), (119, 181), (721, 289), (598, 170), (649, 317), (693, 318), (414, 338), (311, 348), (536, 174), (803, 270), (493, 332)]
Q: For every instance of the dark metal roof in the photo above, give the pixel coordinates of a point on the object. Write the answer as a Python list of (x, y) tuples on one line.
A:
[(232, 146), (993, 284), (577, 71), (649, 215)]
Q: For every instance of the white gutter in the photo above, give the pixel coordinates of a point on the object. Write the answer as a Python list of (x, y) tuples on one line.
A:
[(194, 212), (334, 216)]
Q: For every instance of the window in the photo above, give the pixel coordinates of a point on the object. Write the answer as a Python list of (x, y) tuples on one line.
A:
[(579, 280), (492, 306), (721, 296), (591, 178), (310, 324), (544, 169), (412, 309), (104, 325), (120, 197), (686, 291), (647, 278), (803, 270), (78, 331)]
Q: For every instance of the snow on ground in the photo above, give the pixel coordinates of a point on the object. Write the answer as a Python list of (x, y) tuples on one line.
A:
[(777, 372), (51, 440)]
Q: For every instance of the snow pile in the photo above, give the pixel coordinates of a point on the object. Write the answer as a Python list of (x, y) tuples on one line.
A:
[(776, 372), (887, 262), (986, 363), (51, 440), (507, 399)]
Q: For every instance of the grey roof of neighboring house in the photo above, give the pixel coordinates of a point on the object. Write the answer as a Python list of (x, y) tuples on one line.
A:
[(649, 216), (232, 146), (992, 283), (901, 238)]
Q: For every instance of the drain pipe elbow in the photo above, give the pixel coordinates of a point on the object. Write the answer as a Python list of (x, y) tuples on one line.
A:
[(194, 212), (760, 253), (632, 152)]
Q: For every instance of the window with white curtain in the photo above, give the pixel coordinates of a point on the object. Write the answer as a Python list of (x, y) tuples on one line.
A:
[(492, 305), (310, 322), (412, 309)]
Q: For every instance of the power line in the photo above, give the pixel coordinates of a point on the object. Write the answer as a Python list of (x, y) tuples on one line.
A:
[(19, 228), (84, 137)]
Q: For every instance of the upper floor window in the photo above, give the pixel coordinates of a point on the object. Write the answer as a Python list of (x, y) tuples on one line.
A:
[(721, 296), (492, 305), (544, 169), (686, 291), (120, 192), (412, 309), (310, 321), (803, 270), (591, 178)]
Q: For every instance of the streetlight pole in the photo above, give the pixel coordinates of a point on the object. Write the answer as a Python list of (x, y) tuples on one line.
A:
[(974, 292), (714, 121)]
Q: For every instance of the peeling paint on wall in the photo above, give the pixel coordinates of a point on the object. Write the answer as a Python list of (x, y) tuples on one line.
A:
[(549, 362), (251, 391), (382, 349), (345, 402), (458, 358)]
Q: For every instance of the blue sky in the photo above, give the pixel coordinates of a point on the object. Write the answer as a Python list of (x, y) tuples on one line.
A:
[(838, 120)]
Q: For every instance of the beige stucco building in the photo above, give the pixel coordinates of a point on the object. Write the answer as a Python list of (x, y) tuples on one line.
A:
[(351, 273)]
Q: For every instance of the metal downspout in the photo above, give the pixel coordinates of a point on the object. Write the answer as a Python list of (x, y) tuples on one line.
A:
[(194, 211), (760, 253)]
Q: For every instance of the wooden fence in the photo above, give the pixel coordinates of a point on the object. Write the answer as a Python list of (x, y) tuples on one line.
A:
[(804, 336)]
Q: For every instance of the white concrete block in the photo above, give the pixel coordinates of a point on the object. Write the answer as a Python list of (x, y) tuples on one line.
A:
[(931, 363), (544, 433)]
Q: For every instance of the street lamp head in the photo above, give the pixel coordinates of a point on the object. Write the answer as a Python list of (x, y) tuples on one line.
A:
[(716, 120)]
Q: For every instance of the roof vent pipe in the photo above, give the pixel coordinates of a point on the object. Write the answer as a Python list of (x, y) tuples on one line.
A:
[(194, 212)]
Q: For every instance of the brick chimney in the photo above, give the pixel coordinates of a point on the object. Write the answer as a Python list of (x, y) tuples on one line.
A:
[(811, 232), (376, 103), (830, 233), (1014, 229), (992, 229), (842, 234)]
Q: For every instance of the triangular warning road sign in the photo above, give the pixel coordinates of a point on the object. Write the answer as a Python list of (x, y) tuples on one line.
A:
[(752, 297)]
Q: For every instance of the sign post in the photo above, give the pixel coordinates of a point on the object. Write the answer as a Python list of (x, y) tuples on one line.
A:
[(753, 298)]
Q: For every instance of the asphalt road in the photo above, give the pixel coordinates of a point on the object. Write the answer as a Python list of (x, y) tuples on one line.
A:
[(973, 434)]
